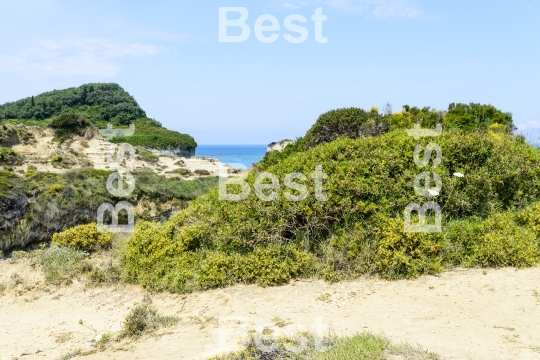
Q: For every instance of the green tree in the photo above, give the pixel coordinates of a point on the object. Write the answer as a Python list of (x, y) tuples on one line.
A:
[(108, 101), (350, 122), (66, 125), (477, 116)]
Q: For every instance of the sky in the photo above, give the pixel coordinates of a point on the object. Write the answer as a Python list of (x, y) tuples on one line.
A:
[(169, 56)]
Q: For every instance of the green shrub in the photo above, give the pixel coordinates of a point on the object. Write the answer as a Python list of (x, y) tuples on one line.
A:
[(375, 175), (61, 265), (150, 258), (530, 218), (5, 183), (82, 237), (108, 273), (505, 243), (502, 239), (358, 229), (355, 122), (149, 133), (56, 159), (477, 116), (267, 266), (461, 242), (144, 319), (20, 254), (405, 254), (146, 155), (68, 125), (10, 157), (350, 122), (180, 171), (406, 119), (202, 172)]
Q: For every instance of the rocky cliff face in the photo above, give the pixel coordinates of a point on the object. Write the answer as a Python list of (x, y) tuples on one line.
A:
[(186, 152), (279, 145), (11, 135), (12, 208)]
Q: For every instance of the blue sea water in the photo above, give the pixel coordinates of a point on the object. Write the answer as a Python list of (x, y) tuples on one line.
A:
[(233, 154)]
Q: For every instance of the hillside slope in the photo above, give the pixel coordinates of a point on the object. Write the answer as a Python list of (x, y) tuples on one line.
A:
[(54, 162), (100, 104)]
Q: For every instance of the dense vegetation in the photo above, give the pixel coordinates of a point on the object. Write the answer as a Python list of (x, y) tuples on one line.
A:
[(477, 116), (490, 217), (9, 157), (350, 122), (356, 123), (150, 133), (98, 104), (82, 237), (490, 201), (67, 125), (61, 201)]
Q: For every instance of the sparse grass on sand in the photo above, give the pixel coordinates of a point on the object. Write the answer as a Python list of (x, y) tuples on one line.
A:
[(61, 265), (144, 319), (304, 346)]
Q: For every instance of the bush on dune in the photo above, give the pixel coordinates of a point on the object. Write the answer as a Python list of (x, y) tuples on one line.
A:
[(82, 237), (68, 125), (150, 133), (162, 258), (146, 155), (356, 123), (359, 229), (350, 122), (9, 157)]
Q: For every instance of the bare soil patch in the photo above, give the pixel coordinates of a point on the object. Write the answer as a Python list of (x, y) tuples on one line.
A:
[(461, 314)]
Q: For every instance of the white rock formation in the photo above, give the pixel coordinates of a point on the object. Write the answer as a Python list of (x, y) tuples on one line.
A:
[(278, 146)]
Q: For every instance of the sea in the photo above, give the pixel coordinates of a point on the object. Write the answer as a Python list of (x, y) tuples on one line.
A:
[(233, 154)]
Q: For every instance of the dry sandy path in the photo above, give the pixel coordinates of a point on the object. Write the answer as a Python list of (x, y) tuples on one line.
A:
[(462, 314)]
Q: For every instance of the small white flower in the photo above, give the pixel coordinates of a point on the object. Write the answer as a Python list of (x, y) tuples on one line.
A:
[(98, 338), (433, 192), (458, 174)]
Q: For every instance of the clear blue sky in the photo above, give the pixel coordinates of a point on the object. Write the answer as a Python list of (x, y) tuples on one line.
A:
[(167, 55)]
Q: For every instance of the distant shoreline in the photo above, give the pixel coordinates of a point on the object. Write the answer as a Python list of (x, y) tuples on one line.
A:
[(246, 155)]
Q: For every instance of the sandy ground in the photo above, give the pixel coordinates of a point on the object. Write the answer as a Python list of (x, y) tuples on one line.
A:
[(93, 150), (462, 314)]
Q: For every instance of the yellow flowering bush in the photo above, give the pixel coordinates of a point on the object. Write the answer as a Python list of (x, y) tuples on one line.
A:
[(408, 255), (497, 129), (505, 243), (530, 217), (82, 237), (54, 189)]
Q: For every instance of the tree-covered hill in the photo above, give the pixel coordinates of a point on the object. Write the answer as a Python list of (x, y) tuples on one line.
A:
[(98, 104)]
